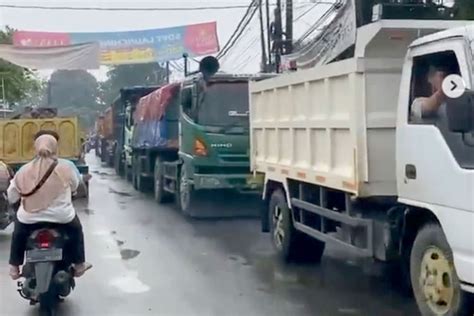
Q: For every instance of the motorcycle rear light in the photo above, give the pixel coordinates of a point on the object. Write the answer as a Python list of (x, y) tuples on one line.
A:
[(44, 239)]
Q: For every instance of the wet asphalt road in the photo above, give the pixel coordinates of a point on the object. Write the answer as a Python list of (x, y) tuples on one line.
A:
[(150, 260)]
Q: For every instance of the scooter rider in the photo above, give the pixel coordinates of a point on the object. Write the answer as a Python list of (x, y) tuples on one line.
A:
[(44, 186)]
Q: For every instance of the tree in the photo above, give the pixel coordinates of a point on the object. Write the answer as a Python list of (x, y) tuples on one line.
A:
[(131, 75), (19, 83), (76, 93), (466, 9)]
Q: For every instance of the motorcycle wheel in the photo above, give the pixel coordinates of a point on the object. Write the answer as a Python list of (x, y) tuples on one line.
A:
[(48, 304)]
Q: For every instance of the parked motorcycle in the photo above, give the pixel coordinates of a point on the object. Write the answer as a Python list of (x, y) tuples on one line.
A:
[(48, 272)]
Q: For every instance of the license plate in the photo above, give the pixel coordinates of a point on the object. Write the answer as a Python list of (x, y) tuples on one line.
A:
[(44, 255)]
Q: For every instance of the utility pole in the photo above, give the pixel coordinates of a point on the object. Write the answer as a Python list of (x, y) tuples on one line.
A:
[(289, 27), (278, 36), (264, 64), (167, 72), (269, 41), (185, 59)]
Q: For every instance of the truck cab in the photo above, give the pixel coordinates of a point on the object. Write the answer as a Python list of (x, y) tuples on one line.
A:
[(435, 150), (214, 136)]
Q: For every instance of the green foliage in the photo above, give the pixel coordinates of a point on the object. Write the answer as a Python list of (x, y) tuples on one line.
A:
[(19, 83), (75, 93), (131, 75), (466, 9)]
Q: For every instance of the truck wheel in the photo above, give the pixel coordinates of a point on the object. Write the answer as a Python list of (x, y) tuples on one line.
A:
[(184, 191), (118, 165), (290, 244), (129, 173), (161, 196), (141, 183), (435, 283), (86, 184)]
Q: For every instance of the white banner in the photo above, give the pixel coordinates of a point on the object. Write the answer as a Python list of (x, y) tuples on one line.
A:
[(80, 56)]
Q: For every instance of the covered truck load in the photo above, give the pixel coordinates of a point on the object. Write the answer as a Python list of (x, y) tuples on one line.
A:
[(156, 119), (154, 138), (105, 134)]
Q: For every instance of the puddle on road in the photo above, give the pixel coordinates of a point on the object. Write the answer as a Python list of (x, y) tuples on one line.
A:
[(128, 254), (349, 311), (241, 260), (121, 193), (120, 242), (130, 284), (88, 211), (101, 173)]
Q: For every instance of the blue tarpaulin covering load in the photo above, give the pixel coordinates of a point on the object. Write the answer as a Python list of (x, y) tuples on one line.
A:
[(156, 119)]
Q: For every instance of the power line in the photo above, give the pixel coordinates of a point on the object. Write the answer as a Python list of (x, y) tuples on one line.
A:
[(239, 25), (239, 32), (68, 8), (306, 12)]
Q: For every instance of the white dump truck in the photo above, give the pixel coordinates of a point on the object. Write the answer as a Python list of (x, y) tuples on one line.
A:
[(349, 159)]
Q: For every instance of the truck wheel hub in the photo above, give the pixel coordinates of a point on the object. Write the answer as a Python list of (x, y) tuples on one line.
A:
[(184, 191), (278, 231), (436, 281)]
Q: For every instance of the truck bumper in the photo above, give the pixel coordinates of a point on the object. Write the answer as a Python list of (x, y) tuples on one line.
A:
[(241, 182)]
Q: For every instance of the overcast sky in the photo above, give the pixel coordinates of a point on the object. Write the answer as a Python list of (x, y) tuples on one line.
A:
[(247, 56)]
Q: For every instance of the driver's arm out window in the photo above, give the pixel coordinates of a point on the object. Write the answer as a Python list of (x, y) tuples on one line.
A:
[(426, 94)]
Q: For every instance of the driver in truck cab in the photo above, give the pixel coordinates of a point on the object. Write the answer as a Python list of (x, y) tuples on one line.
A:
[(44, 187), (429, 107)]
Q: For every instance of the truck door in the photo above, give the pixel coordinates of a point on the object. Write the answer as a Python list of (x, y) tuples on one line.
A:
[(435, 167)]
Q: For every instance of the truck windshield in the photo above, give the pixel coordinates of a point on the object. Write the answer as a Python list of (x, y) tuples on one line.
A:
[(224, 105)]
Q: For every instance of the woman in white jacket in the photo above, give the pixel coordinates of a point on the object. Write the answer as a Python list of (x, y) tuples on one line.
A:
[(46, 199)]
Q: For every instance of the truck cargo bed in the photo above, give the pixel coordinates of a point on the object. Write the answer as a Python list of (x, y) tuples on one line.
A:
[(17, 138), (324, 125)]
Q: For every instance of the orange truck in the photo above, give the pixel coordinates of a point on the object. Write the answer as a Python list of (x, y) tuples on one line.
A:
[(106, 137)]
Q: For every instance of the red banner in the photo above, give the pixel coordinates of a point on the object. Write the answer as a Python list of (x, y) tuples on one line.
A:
[(40, 39), (134, 46)]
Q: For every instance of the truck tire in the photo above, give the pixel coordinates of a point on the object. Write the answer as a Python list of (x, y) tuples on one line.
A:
[(129, 173), (436, 286), (161, 196), (118, 163), (290, 244), (139, 183), (184, 192), (86, 189), (135, 173)]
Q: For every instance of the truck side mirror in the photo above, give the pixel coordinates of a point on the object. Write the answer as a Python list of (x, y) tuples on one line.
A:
[(460, 113)]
